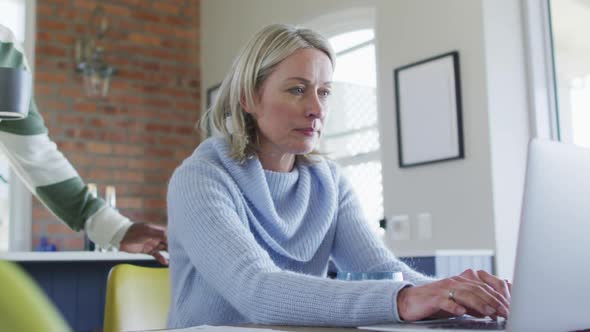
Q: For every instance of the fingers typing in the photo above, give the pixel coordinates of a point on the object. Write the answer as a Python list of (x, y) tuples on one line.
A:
[(478, 298)]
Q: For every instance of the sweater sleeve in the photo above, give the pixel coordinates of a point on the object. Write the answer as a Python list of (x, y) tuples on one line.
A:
[(37, 161), (206, 225), (356, 248)]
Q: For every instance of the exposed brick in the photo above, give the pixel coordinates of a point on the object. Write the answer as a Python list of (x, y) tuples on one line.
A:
[(72, 146), (160, 176), (128, 150), (159, 152), (99, 148), (129, 203), (166, 7), (44, 9), (144, 39), (142, 138), (69, 243), (85, 107), (87, 134), (63, 39), (98, 122), (50, 77), (157, 127), (88, 5), (57, 228), (70, 120), (143, 15), (172, 141), (81, 159), (49, 24), (185, 130), (136, 137), (114, 10), (155, 203), (51, 105), (143, 164), (97, 175), (129, 176), (113, 136), (41, 213), (110, 162)]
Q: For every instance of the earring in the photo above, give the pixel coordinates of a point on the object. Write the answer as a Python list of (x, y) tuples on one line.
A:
[(229, 124)]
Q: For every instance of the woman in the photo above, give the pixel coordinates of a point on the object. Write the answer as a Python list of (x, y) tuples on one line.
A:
[(255, 215)]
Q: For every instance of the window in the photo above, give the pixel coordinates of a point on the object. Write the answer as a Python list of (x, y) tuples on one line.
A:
[(351, 136), (571, 51), (15, 201), (4, 202)]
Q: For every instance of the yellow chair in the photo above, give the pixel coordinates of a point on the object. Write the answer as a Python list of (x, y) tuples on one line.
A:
[(137, 298), (23, 305)]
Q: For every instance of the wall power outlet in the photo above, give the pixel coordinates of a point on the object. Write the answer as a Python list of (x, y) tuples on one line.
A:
[(399, 227)]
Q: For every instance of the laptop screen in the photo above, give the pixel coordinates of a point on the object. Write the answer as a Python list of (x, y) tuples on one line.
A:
[(551, 289)]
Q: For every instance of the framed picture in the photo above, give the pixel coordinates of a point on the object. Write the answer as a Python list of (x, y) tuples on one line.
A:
[(428, 111), (211, 96)]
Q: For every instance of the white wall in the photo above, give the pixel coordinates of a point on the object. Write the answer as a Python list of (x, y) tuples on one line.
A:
[(226, 25), (509, 121), (458, 194)]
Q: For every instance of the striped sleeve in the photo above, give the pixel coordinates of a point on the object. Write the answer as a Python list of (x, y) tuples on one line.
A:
[(45, 170)]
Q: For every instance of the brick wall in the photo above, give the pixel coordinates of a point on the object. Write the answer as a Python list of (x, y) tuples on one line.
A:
[(137, 136)]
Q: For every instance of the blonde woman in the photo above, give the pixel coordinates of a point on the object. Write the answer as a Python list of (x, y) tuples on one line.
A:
[(255, 215)]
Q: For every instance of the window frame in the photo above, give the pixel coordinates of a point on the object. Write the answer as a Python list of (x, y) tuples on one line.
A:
[(332, 25), (20, 198), (540, 70)]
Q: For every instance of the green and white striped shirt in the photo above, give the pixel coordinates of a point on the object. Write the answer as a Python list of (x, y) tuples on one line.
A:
[(45, 170)]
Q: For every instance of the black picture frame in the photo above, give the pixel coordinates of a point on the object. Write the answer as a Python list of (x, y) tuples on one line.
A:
[(428, 111), (211, 95)]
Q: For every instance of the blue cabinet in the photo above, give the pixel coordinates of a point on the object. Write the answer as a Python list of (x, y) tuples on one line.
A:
[(77, 285)]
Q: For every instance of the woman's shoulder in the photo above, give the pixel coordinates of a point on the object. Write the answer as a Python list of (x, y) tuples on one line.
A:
[(206, 159), (325, 166)]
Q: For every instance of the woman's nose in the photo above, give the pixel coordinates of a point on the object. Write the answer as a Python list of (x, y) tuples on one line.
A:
[(315, 107)]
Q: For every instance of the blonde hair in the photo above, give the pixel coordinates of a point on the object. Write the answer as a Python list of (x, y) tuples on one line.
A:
[(250, 69)]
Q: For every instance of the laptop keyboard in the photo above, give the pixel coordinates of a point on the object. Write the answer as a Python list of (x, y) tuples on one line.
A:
[(467, 324)]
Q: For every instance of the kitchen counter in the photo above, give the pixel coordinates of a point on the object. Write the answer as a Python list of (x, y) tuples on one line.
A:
[(69, 256), (75, 281), (65, 256)]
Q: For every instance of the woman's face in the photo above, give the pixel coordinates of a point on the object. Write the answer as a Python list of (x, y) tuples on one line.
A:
[(290, 106)]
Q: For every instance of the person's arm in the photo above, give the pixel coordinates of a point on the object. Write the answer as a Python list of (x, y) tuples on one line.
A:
[(55, 182), (204, 226), (356, 248)]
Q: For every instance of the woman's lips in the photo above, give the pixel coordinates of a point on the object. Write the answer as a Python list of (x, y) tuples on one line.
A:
[(307, 131), (315, 127)]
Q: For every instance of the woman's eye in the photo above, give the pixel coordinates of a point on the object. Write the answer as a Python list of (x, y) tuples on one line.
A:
[(297, 90), (324, 93)]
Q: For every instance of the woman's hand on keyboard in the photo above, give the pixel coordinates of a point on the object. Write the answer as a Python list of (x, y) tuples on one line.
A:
[(471, 292)]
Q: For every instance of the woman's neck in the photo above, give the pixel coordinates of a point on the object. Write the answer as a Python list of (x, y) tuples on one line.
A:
[(276, 163)]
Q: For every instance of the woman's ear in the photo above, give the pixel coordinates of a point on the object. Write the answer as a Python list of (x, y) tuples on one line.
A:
[(250, 109), (244, 104)]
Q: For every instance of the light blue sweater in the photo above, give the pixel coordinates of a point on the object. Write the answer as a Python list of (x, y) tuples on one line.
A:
[(249, 245)]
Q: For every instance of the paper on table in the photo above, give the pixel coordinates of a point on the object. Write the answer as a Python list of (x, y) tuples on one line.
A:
[(209, 328)]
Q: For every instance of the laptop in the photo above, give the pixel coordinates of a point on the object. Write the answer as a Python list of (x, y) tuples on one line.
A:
[(551, 286)]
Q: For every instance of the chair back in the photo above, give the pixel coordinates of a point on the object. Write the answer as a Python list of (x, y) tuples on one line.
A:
[(137, 298), (23, 305)]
